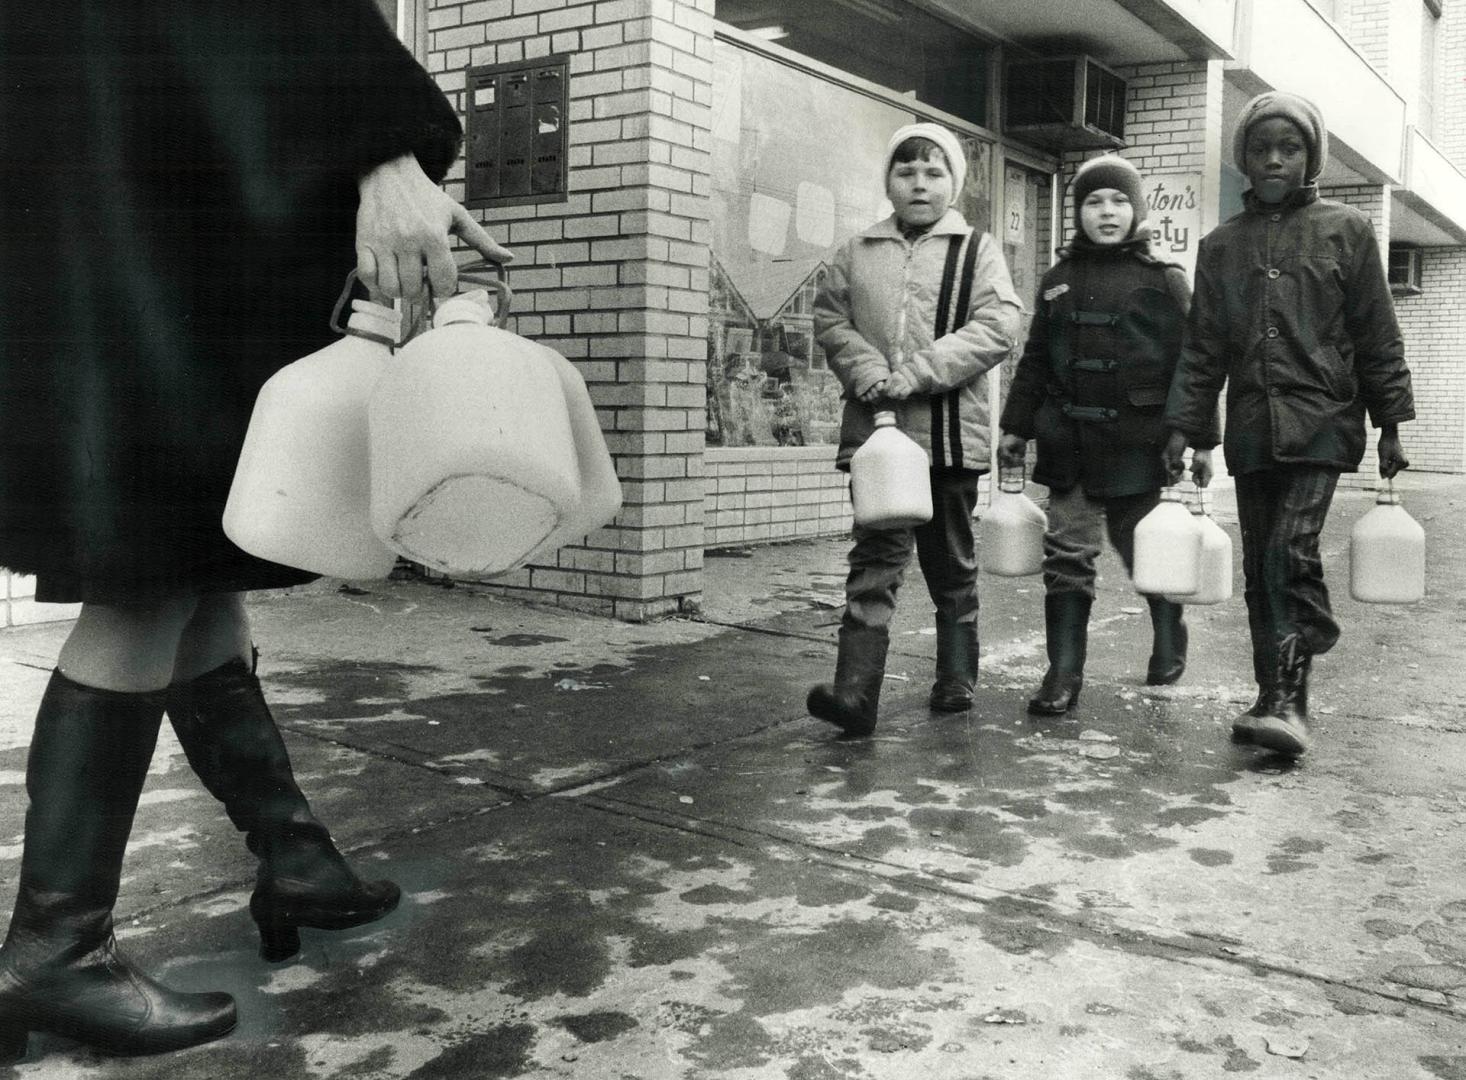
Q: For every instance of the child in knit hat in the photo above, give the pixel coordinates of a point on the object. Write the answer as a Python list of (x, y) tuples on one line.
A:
[(1090, 388), (913, 313), (1293, 313)]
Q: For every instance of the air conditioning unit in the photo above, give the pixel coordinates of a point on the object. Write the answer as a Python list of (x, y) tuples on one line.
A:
[(1065, 102), (1405, 270)]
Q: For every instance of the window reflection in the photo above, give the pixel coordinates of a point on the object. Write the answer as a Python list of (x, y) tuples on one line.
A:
[(797, 168)]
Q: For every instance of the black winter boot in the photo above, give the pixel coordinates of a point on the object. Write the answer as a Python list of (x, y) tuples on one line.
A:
[(230, 739), (60, 970), (1284, 727), (1168, 653), (1066, 630), (1244, 724), (957, 655), (851, 702)]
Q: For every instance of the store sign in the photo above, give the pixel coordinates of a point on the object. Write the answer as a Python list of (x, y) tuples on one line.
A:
[(1173, 203)]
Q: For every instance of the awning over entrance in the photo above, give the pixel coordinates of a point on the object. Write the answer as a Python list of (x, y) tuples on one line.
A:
[(1111, 31)]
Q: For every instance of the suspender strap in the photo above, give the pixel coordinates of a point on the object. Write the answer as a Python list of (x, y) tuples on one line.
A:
[(959, 319)]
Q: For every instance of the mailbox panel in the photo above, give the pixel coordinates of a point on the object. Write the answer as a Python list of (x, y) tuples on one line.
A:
[(518, 135)]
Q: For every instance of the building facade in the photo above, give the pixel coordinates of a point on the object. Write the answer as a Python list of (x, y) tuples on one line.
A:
[(674, 174)]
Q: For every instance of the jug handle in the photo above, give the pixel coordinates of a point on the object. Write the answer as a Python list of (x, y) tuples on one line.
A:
[(478, 273), (336, 312), (1006, 471)]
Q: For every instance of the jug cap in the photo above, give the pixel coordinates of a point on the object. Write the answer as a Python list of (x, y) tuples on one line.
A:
[(375, 322), (473, 306), (1012, 481), (886, 418), (1387, 496)]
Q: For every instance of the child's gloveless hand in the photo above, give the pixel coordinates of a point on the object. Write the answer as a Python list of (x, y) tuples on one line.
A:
[(1392, 457), (899, 387)]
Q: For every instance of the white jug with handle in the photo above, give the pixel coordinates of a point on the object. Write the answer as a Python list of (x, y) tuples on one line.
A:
[(890, 479), (475, 462), (1013, 530), (302, 487), (1387, 553), (1214, 580), (1168, 549)]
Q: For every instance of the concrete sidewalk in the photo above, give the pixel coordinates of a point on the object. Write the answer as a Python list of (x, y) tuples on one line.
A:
[(626, 852)]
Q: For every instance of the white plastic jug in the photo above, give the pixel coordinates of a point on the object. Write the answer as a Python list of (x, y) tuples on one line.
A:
[(1168, 549), (474, 465), (600, 489), (1013, 531), (1387, 553), (890, 480), (1214, 585), (302, 487)]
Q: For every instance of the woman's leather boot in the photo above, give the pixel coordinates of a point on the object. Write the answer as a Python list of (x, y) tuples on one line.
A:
[(60, 970), (850, 703), (230, 738), (1168, 652), (1066, 632), (957, 656), (1244, 724)]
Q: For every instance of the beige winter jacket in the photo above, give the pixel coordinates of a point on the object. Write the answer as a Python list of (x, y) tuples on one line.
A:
[(875, 315)]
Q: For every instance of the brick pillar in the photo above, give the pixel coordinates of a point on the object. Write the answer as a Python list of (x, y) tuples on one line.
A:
[(616, 278)]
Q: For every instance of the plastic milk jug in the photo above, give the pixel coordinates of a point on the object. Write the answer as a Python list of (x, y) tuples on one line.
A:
[(890, 480), (1387, 553), (1168, 549), (473, 461), (1013, 531), (302, 487), (1214, 584)]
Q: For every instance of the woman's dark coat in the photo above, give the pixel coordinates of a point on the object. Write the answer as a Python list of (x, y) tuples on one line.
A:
[(178, 194), (1092, 381), (1293, 311)]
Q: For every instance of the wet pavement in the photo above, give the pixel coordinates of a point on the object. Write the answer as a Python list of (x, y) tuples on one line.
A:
[(626, 852)]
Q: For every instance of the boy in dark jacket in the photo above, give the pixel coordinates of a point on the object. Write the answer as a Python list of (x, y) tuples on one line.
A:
[(1293, 311), (1090, 388)]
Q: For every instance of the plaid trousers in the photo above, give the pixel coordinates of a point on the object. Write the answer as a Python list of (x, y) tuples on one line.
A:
[(1281, 512)]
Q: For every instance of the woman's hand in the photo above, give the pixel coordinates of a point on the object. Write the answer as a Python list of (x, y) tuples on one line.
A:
[(874, 392), (403, 223), (899, 387)]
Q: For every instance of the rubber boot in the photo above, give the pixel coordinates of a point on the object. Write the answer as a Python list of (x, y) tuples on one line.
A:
[(851, 702), (957, 656), (1245, 723), (1168, 651), (1066, 630), (60, 969), (230, 738), (1284, 728)]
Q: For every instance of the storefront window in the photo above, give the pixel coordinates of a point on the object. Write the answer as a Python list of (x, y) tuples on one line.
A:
[(797, 168)]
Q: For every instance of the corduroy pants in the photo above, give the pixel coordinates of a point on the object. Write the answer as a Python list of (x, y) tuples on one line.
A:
[(946, 550), (1072, 542)]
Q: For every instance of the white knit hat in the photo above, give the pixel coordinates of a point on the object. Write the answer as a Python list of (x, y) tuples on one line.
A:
[(950, 147)]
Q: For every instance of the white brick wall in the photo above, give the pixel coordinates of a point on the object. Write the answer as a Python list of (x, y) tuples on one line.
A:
[(758, 494), (1434, 326), (616, 278)]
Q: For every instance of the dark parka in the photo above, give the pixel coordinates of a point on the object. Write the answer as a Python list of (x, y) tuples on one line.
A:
[(178, 194), (1293, 312), (1091, 384)]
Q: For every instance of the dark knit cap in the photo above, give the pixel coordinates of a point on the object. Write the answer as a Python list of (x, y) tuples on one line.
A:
[(1304, 115), (1108, 171)]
